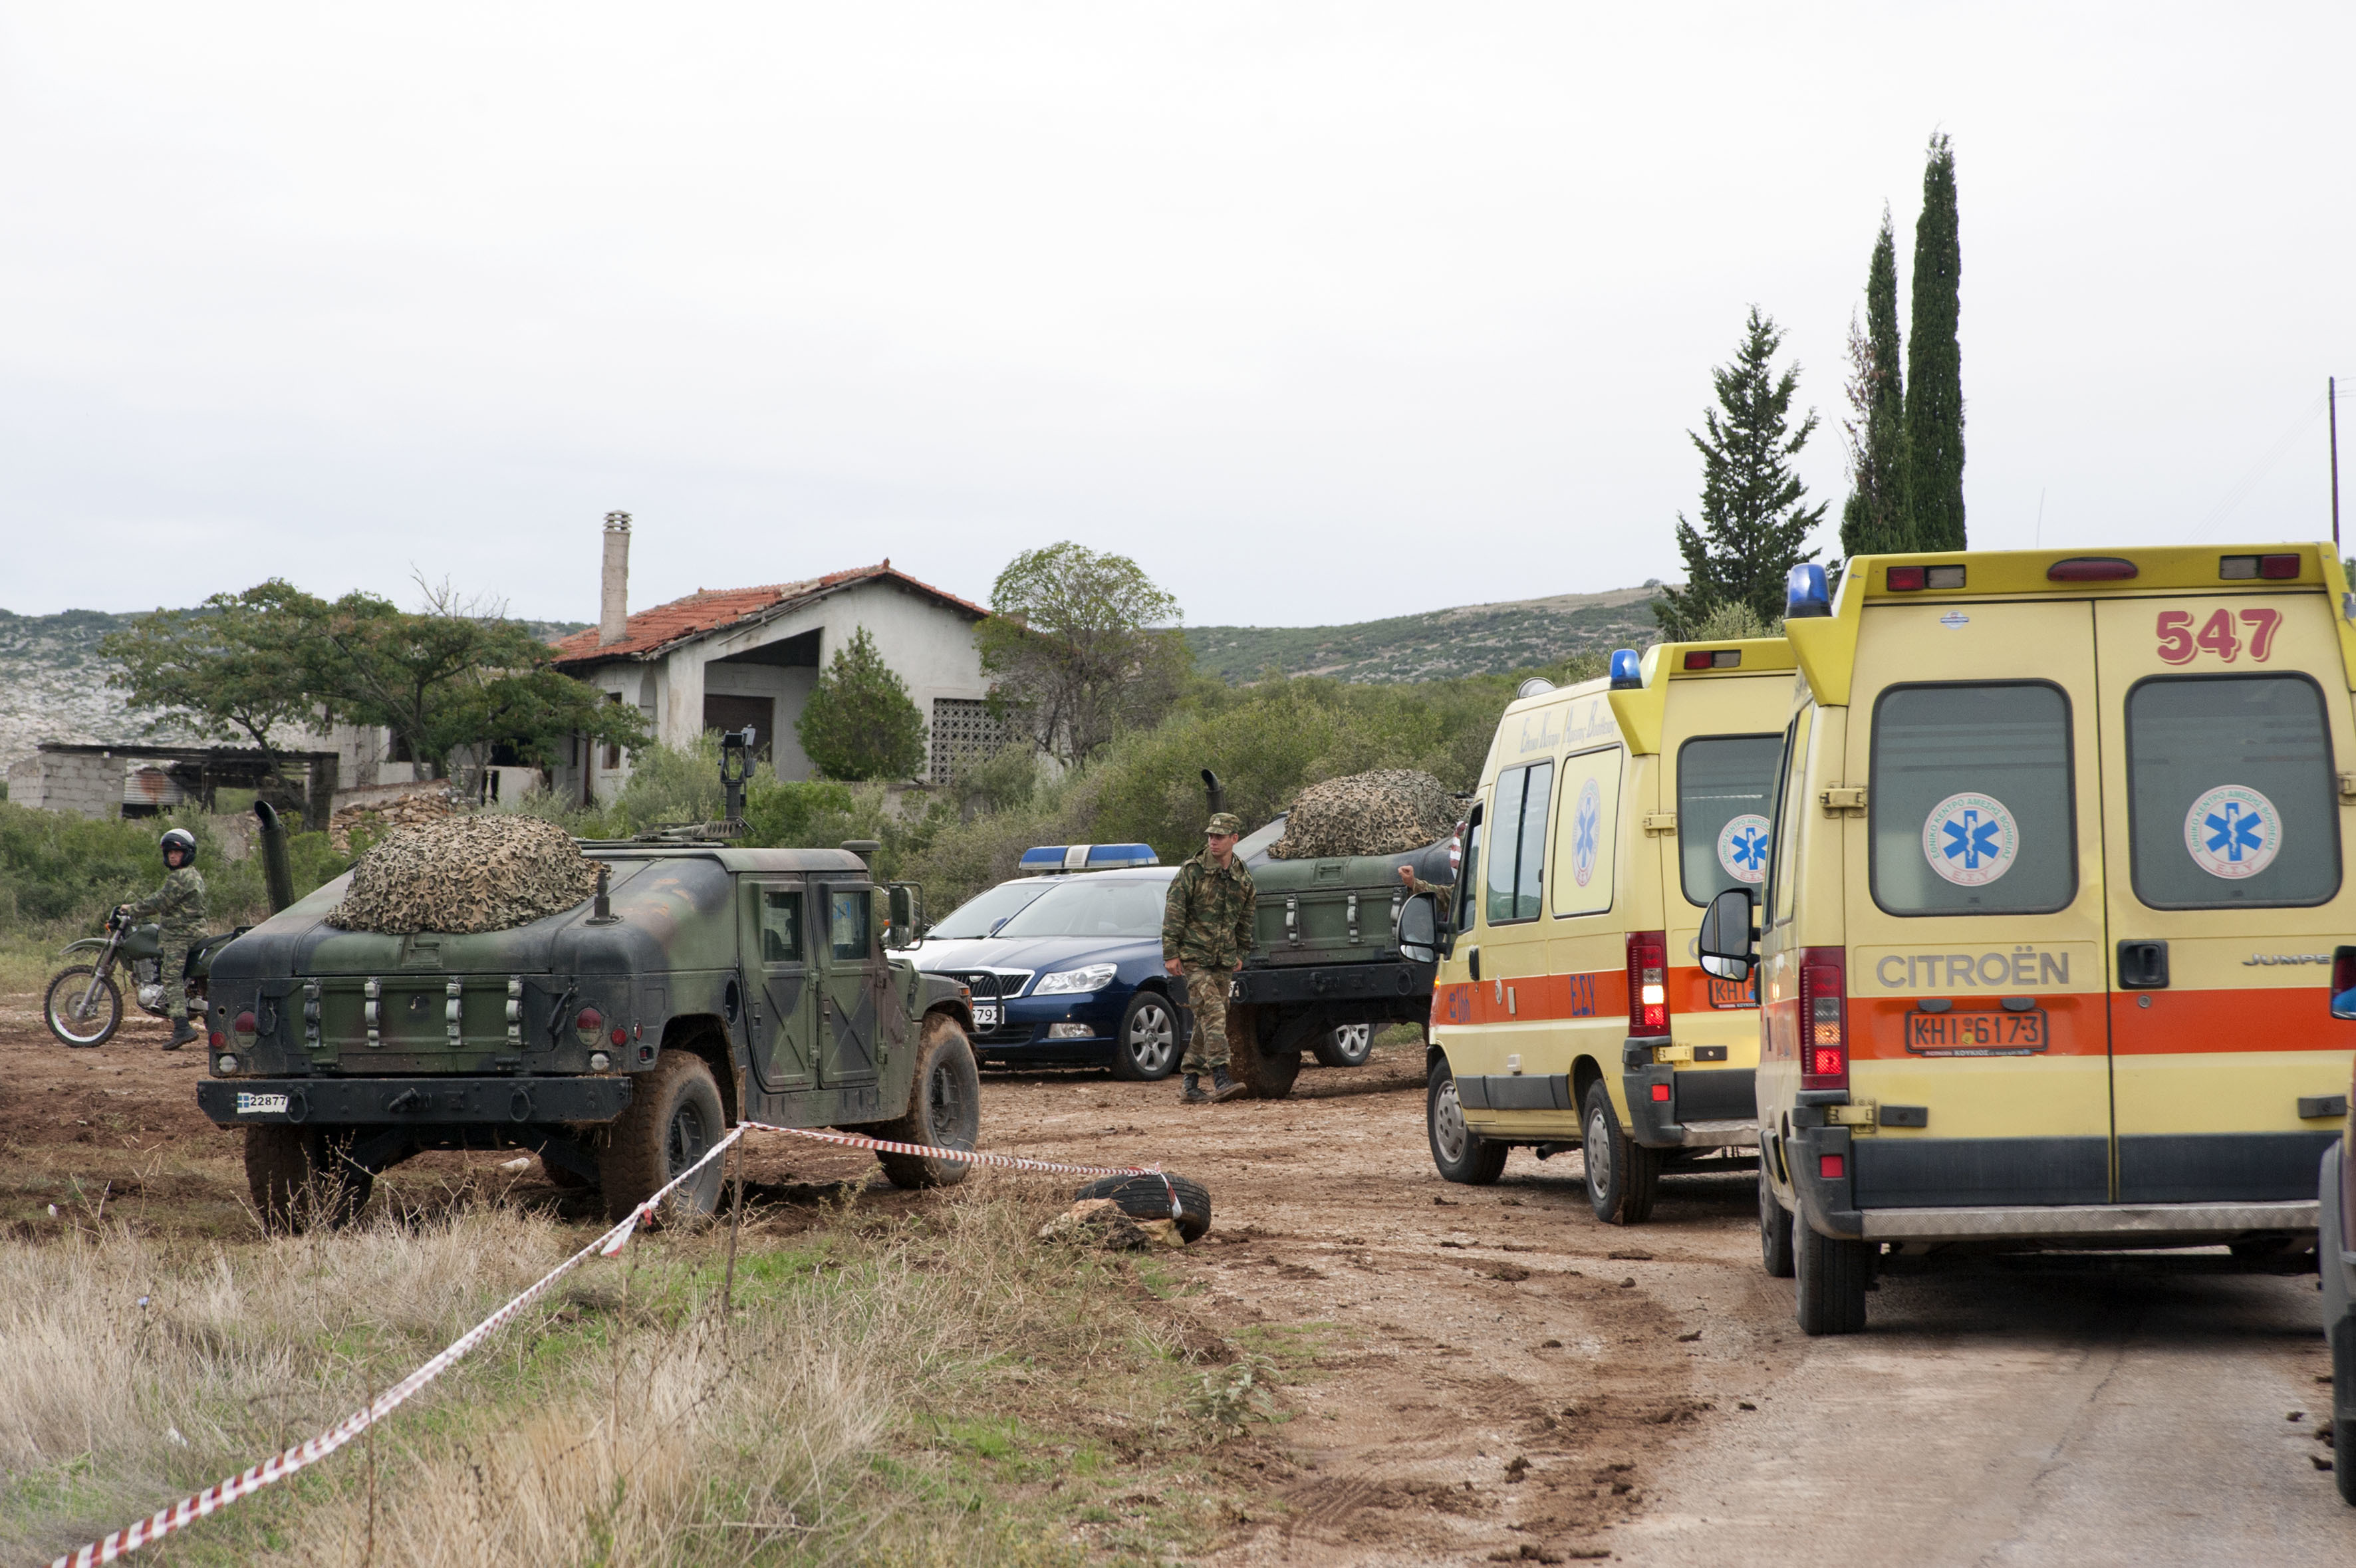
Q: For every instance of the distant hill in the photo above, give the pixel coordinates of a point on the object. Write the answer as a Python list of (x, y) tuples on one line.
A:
[(53, 681), (1471, 639)]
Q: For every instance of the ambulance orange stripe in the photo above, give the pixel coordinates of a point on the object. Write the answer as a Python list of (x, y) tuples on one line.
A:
[(1537, 999), (2194, 1023)]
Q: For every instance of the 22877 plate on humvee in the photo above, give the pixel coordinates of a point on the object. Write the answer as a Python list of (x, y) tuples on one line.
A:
[(1975, 1033)]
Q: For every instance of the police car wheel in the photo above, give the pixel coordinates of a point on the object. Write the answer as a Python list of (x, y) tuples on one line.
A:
[(1458, 1152), (1622, 1175), (944, 1110), (1146, 1049), (1834, 1273), (1774, 1229), (1346, 1044)]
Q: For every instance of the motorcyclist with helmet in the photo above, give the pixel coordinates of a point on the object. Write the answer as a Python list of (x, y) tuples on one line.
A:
[(179, 906)]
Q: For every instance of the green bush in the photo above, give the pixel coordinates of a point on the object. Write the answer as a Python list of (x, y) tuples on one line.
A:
[(62, 872), (860, 722)]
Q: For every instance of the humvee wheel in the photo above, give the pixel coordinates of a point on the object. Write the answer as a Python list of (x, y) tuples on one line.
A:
[(299, 1177), (673, 1119), (944, 1110), (1266, 1068)]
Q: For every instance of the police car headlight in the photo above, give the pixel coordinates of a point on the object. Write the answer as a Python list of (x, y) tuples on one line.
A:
[(1095, 977)]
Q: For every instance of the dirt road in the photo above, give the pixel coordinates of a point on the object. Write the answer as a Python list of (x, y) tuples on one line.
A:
[(1486, 1374)]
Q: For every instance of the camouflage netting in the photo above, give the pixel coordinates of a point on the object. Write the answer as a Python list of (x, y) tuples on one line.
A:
[(1388, 812), (465, 874)]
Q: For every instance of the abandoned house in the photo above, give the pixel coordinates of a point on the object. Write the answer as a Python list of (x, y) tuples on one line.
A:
[(731, 658)]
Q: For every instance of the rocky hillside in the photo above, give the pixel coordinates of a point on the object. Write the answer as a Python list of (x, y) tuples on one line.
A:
[(1471, 639), (53, 682)]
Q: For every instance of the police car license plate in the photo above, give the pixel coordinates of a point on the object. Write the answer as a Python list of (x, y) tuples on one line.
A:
[(1975, 1033), (985, 1015)]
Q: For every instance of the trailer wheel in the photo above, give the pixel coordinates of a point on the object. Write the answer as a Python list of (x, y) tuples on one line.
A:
[(674, 1117), (300, 1177), (944, 1110)]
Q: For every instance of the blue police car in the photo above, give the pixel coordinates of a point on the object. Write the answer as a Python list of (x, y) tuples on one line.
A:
[(1065, 963)]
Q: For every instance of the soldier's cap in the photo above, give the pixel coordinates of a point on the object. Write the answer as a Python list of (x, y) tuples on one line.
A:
[(1223, 823)]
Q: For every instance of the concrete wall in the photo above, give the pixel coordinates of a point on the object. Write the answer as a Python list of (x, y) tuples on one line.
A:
[(85, 786)]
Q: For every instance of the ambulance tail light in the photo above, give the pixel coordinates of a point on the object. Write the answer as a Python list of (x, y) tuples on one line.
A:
[(1648, 982), (2091, 569), (1824, 1019)]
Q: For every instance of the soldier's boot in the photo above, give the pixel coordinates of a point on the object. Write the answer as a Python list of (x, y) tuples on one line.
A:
[(1222, 1086), (1192, 1093), (183, 1032)]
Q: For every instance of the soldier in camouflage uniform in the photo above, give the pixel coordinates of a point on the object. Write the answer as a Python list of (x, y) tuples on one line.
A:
[(180, 904), (1206, 929)]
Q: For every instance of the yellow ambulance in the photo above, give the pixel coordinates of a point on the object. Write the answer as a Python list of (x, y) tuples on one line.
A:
[(1570, 1009), (2058, 871)]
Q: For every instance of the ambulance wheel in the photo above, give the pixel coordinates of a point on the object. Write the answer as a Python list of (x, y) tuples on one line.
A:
[(1834, 1273), (944, 1110), (299, 1177), (672, 1121), (1459, 1154), (1622, 1175), (1774, 1229)]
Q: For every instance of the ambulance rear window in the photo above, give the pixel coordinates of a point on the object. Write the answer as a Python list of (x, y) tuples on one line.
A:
[(1970, 800), (2231, 799), (1725, 787)]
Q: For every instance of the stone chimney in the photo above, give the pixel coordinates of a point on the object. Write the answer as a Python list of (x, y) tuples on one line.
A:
[(613, 608)]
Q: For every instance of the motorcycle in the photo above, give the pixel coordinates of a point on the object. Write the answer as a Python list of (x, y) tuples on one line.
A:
[(83, 1005)]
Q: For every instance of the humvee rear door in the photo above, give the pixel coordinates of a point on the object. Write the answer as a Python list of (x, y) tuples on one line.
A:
[(849, 985), (778, 968)]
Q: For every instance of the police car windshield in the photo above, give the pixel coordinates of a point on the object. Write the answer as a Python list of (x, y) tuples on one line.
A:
[(980, 917), (1094, 907)]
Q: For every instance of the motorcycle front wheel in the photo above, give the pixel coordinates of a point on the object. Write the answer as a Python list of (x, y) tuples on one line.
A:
[(77, 1015)]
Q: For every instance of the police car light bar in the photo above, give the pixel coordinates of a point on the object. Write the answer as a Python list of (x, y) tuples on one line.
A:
[(1087, 857), (1805, 594)]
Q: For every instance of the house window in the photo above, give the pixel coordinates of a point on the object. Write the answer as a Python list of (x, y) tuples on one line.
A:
[(963, 734), (613, 749)]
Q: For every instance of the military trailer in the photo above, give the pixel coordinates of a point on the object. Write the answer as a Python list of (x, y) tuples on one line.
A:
[(703, 985), (1339, 950)]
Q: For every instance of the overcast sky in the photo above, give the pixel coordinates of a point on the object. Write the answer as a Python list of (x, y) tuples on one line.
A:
[(1323, 312)]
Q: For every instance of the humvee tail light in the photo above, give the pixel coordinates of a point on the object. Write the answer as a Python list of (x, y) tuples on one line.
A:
[(2091, 569), (1648, 982), (1627, 670), (2242, 568), (1823, 1034), (246, 1025), (1806, 593), (1914, 579), (589, 1025), (1714, 658)]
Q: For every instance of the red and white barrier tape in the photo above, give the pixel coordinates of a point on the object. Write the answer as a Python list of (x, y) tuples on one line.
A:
[(187, 1510)]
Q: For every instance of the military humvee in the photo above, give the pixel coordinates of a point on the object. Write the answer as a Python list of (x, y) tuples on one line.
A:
[(617, 1040)]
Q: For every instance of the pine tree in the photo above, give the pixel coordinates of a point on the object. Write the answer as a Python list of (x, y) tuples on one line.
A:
[(1874, 518), (1752, 523), (1934, 365)]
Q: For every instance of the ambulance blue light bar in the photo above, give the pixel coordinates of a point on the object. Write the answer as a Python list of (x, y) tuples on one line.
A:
[(1087, 857), (1627, 670), (1805, 594)]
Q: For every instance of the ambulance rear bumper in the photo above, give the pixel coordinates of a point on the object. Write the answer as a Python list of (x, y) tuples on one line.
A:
[(2162, 1223)]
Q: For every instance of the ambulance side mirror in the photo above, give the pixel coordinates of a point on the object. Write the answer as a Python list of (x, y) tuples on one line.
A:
[(1419, 930), (1728, 945), (2343, 982)]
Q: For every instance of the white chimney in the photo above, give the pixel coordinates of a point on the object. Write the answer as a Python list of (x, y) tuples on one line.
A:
[(614, 609)]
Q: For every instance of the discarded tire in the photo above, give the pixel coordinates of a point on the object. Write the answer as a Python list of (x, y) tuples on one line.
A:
[(1148, 1198)]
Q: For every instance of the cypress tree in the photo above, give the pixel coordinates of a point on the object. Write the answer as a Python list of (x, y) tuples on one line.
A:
[(1874, 518), (1934, 365), (1752, 523)]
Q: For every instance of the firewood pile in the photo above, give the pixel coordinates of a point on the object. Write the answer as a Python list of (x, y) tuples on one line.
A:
[(378, 818), (462, 873)]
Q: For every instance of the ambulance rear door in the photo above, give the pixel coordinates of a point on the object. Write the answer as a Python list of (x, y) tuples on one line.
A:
[(2224, 716), (1975, 977)]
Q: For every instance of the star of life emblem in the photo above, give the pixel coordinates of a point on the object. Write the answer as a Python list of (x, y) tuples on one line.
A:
[(1743, 848), (1970, 839), (2232, 831)]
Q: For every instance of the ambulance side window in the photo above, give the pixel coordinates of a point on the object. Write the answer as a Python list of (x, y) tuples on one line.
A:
[(1787, 817), (2231, 799), (1970, 800), (1726, 787), (1468, 877), (1586, 832), (1517, 861)]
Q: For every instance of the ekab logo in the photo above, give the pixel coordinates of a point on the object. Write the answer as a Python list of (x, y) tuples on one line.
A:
[(1586, 832), (1970, 839), (2232, 831), (1743, 848)]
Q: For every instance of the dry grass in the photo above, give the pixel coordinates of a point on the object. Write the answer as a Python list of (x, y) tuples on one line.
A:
[(939, 1389)]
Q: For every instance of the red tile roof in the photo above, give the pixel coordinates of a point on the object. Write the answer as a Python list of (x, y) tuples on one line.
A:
[(652, 633)]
